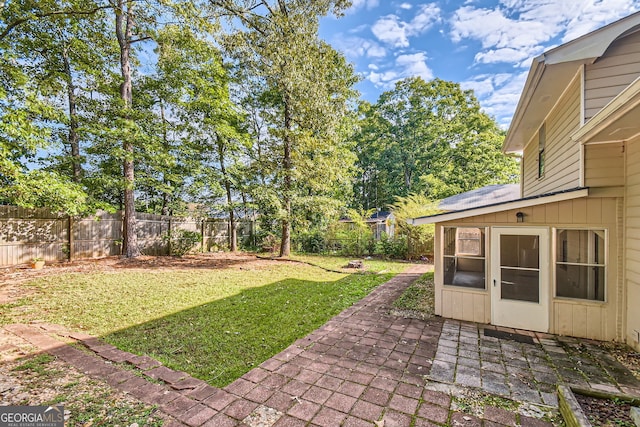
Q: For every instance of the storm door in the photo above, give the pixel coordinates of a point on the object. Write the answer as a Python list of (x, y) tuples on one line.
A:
[(520, 278)]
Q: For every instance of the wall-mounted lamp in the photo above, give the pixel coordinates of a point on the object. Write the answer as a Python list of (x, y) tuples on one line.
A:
[(520, 216)]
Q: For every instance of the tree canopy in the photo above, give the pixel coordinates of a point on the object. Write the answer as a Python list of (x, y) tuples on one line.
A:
[(157, 106), (429, 138)]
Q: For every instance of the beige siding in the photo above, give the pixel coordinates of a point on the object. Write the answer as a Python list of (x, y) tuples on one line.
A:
[(562, 156), (466, 305), (611, 73), (594, 320), (632, 242), (604, 165)]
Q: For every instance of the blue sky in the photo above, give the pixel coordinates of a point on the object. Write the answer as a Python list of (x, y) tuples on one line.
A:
[(485, 45)]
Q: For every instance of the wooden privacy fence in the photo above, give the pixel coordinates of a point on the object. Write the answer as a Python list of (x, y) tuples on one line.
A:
[(29, 233)]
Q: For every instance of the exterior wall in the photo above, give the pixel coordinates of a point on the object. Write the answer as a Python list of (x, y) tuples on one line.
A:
[(632, 243), (579, 318), (604, 165), (611, 73), (562, 156)]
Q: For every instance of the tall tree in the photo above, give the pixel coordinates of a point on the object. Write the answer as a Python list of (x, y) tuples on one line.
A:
[(431, 138), (307, 85), (56, 49)]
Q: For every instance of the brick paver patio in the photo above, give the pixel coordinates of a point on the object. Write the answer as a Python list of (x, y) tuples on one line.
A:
[(364, 367)]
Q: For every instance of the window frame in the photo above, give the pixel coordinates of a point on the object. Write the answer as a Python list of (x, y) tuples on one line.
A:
[(483, 244), (542, 142), (605, 265)]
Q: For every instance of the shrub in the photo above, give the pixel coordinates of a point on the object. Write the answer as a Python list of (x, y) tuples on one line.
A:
[(312, 242), (181, 242), (394, 247)]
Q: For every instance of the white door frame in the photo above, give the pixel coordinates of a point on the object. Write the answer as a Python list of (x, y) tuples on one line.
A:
[(514, 313)]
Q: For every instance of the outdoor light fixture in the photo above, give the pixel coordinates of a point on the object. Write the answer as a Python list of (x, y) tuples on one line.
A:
[(520, 216)]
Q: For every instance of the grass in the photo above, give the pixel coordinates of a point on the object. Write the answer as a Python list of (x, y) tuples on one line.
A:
[(215, 324), (418, 297), (338, 263), (89, 402)]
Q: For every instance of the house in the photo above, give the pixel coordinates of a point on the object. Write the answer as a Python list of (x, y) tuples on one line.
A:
[(379, 222), (564, 257)]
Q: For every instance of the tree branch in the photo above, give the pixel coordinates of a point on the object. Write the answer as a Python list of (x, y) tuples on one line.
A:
[(12, 25)]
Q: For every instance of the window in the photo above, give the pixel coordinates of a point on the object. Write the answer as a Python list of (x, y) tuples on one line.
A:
[(542, 141), (580, 264), (464, 257)]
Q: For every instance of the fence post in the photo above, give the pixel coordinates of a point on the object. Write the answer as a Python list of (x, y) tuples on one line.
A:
[(70, 238), (169, 236), (202, 235)]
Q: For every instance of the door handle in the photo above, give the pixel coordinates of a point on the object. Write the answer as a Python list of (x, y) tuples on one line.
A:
[(494, 283)]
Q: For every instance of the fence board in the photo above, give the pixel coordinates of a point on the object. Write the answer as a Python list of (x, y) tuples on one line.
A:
[(30, 233)]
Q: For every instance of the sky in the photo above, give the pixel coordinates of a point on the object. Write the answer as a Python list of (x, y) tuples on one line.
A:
[(485, 45)]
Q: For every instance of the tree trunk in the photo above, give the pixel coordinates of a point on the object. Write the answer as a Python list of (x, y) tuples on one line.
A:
[(407, 176), (166, 197), (233, 233), (125, 18), (74, 142), (285, 243)]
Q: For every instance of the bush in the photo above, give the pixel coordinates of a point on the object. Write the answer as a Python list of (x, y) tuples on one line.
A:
[(312, 242), (393, 247), (181, 242)]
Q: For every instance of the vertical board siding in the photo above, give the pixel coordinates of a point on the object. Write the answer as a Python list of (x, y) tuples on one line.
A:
[(465, 305), (29, 233), (632, 242), (611, 73), (562, 168), (577, 318)]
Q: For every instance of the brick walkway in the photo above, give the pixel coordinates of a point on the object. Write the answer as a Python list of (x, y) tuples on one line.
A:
[(364, 367)]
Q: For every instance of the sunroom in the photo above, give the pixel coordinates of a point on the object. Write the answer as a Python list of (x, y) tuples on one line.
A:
[(539, 264)]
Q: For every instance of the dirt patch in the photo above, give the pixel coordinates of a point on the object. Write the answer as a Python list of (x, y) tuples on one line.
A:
[(44, 380), (605, 412), (629, 358), (12, 277)]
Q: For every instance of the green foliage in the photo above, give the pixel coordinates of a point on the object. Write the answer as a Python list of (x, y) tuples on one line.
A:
[(395, 247), (311, 241), (420, 236), (352, 235), (181, 242), (40, 189), (427, 138), (418, 297), (301, 88)]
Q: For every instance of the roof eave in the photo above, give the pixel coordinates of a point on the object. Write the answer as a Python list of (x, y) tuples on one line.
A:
[(501, 207), (583, 50)]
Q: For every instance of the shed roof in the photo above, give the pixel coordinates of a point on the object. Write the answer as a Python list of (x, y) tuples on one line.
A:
[(491, 194), (541, 199)]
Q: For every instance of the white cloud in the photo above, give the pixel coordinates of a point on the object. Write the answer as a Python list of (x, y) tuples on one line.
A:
[(414, 65), (502, 55), (519, 29), (357, 47), (363, 4), (407, 65), (498, 93), (499, 34), (392, 30), (406, 6)]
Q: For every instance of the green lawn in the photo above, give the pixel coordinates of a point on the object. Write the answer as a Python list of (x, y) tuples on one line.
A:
[(418, 297), (215, 324)]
